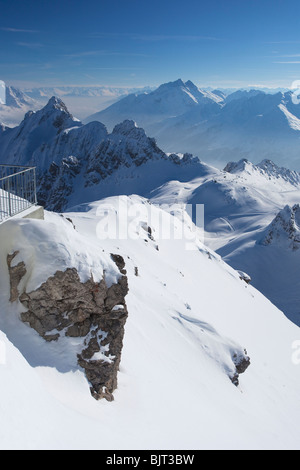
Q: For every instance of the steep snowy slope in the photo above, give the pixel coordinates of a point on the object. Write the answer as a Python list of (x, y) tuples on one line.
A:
[(270, 256), (38, 128), (190, 318)]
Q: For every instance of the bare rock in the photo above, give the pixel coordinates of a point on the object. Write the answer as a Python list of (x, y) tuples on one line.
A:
[(16, 273), (63, 306), (241, 362)]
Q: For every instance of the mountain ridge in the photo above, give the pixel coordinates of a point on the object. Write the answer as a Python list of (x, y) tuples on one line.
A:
[(249, 124)]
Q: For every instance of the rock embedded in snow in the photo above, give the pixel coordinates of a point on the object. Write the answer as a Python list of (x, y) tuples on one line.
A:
[(92, 312), (245, 277)]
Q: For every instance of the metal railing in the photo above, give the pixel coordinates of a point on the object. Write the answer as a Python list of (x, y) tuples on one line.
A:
[(17, 190)]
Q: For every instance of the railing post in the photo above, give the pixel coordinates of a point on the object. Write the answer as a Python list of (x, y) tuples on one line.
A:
[(9, 198), (34, 185)]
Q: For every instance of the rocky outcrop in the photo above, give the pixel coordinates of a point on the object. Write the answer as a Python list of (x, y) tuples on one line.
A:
[(284, 229), (16, 274), (63, 306), (241, 362), (245, 277)]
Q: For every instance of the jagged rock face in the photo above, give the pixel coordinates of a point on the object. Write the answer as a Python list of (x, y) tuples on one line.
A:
[(127, 145), (27, 143), (58, 183), (285, 228), (94, 312), (67, 153)]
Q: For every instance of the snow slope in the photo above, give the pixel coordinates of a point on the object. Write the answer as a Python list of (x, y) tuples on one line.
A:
[(270, 256), (189, 314), (239, 204), (83, 101)]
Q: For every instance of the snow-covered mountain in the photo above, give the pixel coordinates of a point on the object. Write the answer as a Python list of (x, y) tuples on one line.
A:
[(240, 206), (246, 124), (79, 163), (190, 319), (76, 162), (18, 146), (169, 100), (284, 228), (15, 98), (200, 345), (253, 233), (270, 255)]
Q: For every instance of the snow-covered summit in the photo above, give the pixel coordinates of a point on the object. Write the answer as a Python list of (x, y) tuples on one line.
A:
[(190, 319), (17, 103), (238, 167), (167, 101), (37, 129), (266, 169), (70, 155), (271, 169), (184, 118), (128, 128)]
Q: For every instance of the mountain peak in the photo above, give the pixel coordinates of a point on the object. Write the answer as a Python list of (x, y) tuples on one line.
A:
[(191, 86), (267, 168), (237, 167), (16, 98), (176, 84), (127, 127), (271, 169), (58, 114)]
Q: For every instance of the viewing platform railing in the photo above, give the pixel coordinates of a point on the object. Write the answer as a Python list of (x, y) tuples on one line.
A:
[(17, 190)]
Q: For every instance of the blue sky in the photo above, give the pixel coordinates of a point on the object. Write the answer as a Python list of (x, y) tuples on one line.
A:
[(129, 43)]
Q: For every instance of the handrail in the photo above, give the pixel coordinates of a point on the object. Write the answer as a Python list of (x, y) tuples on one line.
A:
[(15, 174)]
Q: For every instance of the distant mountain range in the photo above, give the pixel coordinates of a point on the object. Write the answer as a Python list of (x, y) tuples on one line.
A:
[(17, 103), (217, 127), (81, 100)]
